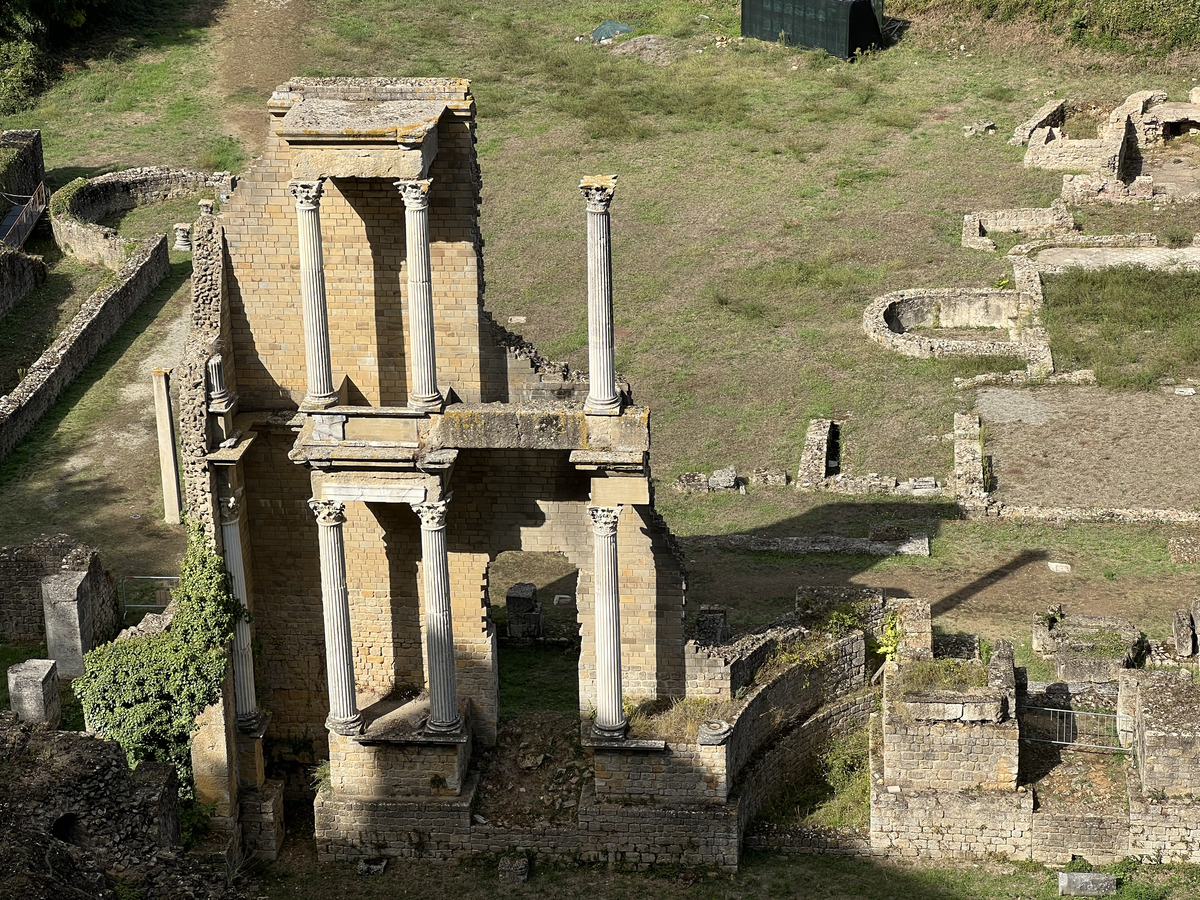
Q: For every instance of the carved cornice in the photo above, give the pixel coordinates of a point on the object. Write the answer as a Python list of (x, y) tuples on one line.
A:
[(415, 193), (328, 512), (604, 519), (307, 193), (598, 190), (432, 515)]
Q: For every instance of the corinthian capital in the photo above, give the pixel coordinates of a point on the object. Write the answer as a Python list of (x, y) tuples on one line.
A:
[(231, 508), (598, 190), (307, 193), (328, 512), (604, 519), (433, 515), (415, 194)]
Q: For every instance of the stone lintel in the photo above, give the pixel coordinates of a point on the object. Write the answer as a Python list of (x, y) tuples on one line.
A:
[(510, 426), (610, 461), (340, 138), (378, 487), (231, 456)]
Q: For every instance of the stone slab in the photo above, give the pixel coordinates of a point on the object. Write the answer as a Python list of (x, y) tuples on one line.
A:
[(1086, 884)]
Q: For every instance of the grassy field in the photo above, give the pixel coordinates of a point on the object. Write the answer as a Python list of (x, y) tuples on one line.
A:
[(1132, 326)]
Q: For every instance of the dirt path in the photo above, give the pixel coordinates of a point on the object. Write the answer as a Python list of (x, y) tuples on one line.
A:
[(259, 45)]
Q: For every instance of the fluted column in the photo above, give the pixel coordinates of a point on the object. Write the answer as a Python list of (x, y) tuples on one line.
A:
[(245, 696), (602, 396), (439, 625), (610, 715), (335, 601), (320, 392), (425, 395)]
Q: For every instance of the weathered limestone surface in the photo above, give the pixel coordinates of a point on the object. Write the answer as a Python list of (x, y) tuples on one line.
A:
[(20, 273), (33, 691), (22, 615)]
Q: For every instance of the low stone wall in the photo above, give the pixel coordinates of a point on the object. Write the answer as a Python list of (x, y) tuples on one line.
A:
[(1037, 221), (22, 618), (1049, 149), (76, 208), (720, 670), (1098, 837), (100, 317), (1167, 829), (20, 273), (1080, 190)]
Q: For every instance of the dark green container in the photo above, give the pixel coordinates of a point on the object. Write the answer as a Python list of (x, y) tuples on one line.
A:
[(839, 27)]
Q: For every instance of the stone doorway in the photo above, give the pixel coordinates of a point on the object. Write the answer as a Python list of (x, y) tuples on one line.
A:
[(533, 607)]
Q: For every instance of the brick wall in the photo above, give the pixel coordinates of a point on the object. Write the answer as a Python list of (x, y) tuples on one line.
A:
[(938, 824)]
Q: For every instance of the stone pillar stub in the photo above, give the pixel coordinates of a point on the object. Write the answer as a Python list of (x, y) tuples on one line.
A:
[(610, 715), (33, 691), (320, 393), (439, 621), (69, 632), (344, 717), (424, 394), (168, 462), (602, 398)]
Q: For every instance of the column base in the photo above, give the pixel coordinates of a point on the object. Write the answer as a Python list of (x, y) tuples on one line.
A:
[(254, 723), (444, 728), (610, 733), (602, 407), (429, 404), (348, 727), (312, 402)]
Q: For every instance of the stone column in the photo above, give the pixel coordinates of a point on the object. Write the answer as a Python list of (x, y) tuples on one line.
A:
[(425, 395), (167, 463), (312, 294), (335, 601), (610, 716), (439, 624), (602, 396), (245, 695)]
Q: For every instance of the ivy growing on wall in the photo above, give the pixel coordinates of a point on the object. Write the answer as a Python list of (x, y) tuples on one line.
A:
[(145, 692)]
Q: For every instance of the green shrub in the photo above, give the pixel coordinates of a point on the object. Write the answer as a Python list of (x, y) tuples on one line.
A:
[(20, 74), (145, 692)]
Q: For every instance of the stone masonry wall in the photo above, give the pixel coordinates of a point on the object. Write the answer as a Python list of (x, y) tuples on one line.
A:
[(933, 824), (27, 170), (886, 319), (20, 273), (21, 571), (100, 317)]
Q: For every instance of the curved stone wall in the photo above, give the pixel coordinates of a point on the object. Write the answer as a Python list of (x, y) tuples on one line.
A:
[(889, 321)]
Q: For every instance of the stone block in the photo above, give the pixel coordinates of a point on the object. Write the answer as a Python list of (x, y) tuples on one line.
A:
[(723, 480), (982, 710), (1184, 633), (521, 598), (1086, 884), (712, 625), (33, 691), (691, 483), (68, 622)]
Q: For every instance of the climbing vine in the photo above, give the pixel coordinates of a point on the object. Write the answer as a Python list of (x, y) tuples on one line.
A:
[(145, 692)]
